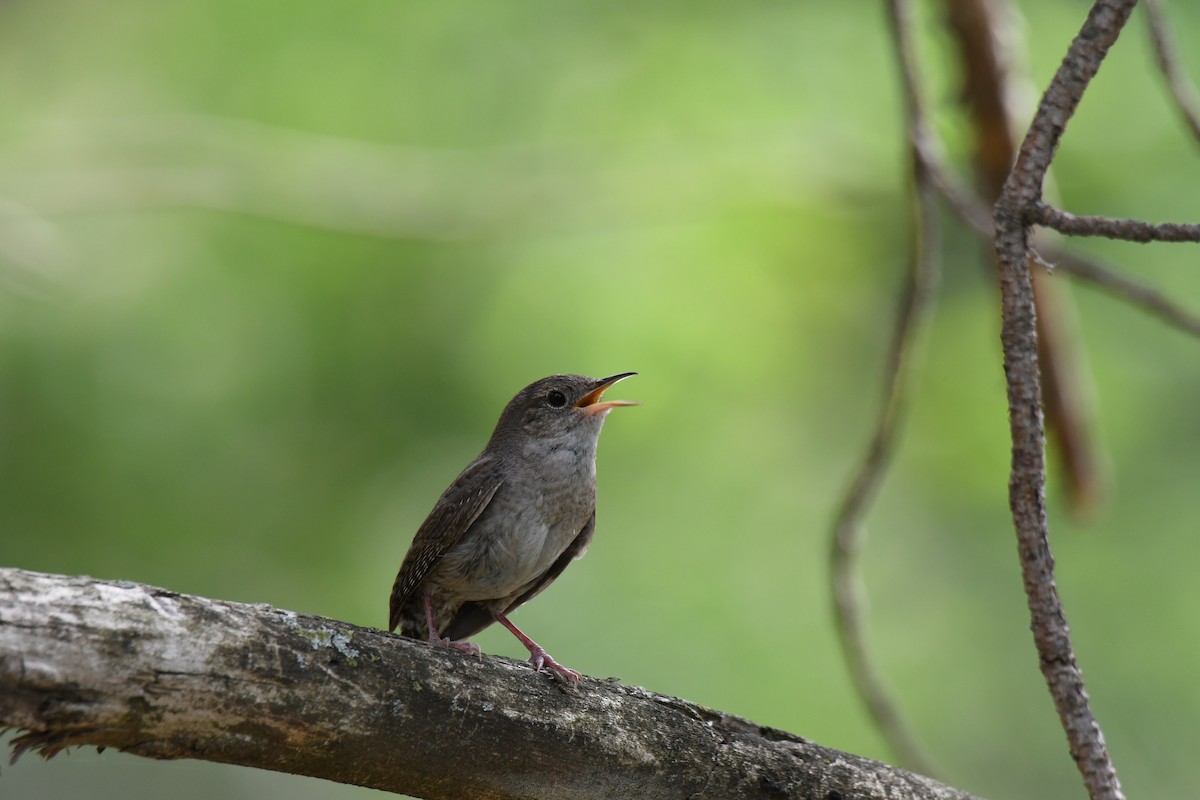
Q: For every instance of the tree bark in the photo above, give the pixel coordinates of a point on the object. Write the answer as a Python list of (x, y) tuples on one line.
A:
[(1019, 206), (167, 675)]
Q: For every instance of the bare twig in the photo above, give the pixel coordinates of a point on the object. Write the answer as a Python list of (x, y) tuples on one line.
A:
[(1167, 54), (1131, 230), (849, 530), (1015, 210), (1127, 289), (983, 32), (961, 198), (972, 211)]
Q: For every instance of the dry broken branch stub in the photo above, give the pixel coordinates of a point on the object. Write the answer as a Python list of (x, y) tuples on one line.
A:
[(166, 675)]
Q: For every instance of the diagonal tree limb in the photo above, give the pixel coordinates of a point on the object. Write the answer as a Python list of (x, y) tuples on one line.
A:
[(1016, 210), (849, 530), (167, 676)]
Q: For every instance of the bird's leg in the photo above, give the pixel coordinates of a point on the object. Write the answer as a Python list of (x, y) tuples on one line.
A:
[(538, 657), (470, 648)]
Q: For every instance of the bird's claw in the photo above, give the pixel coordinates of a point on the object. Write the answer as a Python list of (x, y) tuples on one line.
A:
[(542, 662), (470, 648)]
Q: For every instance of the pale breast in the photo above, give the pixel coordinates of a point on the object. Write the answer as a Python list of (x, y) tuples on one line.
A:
[(525, 528)]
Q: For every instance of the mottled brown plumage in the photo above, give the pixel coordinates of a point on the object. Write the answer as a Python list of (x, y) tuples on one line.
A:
[(511, 522)]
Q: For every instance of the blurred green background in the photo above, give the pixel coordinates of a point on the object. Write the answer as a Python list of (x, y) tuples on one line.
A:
[(269, 271)]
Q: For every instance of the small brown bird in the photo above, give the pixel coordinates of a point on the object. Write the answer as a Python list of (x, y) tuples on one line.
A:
[(511, 522)]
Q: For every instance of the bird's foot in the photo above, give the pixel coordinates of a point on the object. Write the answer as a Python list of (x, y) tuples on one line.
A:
[(470, 648), (538, 656), (542, 662)]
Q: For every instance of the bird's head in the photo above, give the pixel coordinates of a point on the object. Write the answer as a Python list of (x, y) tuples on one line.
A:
[(560, 407)]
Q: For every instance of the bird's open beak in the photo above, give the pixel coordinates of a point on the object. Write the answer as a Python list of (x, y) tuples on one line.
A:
[(590, 403)]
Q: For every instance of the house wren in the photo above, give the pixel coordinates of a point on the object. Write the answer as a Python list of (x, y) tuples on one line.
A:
[(511, 522)]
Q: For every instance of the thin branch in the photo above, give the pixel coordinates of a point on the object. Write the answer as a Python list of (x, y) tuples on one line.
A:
[(1017, 207), (926, 145), (1166, 53), (849, 530), (167, 676), (1119, 286), (972, 211), (1131, 230), (983, 31), (961, 198)]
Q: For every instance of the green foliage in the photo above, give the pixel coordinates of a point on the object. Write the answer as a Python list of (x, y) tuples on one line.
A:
[(268, 272)]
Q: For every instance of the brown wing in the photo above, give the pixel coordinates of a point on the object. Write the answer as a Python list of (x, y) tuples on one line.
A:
[(456, 510), (576, 549)]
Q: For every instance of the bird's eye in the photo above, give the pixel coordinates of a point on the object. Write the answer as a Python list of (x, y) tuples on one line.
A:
[(556, 399)]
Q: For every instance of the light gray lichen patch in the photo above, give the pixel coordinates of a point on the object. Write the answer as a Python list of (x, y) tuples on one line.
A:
[(323, 637), (341, 643)]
